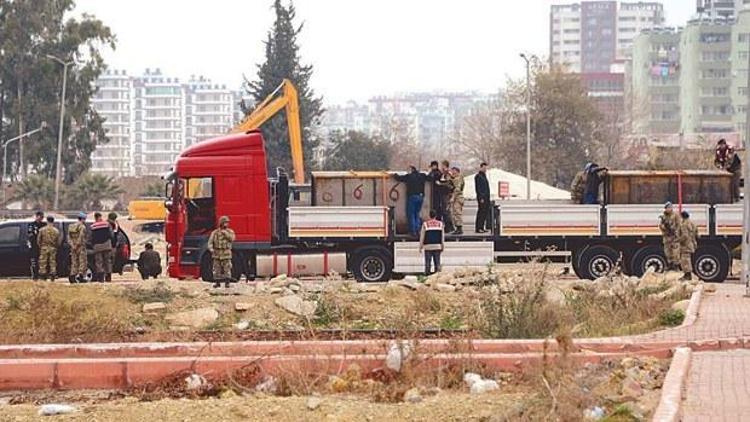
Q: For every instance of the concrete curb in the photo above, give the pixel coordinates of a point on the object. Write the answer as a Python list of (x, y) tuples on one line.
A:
[(122, 373), (691, 315), (669, 408)]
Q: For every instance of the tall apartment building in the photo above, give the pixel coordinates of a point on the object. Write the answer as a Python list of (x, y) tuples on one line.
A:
[(739, 61), (209, 110), (159, 122), (721, 9), (654, 96), (113, 101), (690, 81), (152, 117), (591, 36), (705, 50)]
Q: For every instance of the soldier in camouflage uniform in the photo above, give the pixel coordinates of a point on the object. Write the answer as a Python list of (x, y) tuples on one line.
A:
[(670, 227), (578, 186), (49, 241), (220, 246), (688, 244), (77, 241), (457, 200)]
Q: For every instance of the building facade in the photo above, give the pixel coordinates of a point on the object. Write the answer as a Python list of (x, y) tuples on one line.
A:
[(113, 102), (151, 118), (591, 36), (720, 9), (654, 95)]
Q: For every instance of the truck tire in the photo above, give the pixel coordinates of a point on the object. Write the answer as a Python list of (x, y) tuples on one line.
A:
[(575, 262), (598, 261), (711, 263), (207, 267), (370, 265), (648, 257)]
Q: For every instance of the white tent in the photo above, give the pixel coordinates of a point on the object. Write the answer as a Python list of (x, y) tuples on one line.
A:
[(517, 185)]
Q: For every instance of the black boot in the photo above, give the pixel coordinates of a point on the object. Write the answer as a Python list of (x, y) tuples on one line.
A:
[(459, 230), (108, 277), (217, 283), (53, 277)]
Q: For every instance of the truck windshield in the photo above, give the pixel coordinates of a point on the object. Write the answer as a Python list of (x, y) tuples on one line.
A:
[(200, 204)]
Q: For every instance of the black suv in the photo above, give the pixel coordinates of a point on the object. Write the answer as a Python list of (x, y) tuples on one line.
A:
[(15, 254)]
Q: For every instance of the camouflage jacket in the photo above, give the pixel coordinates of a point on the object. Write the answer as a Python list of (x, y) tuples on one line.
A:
[(688, 236), (49, 237), (669, 224), (457, 187), (220, 243), (77, 235), (578, 187)]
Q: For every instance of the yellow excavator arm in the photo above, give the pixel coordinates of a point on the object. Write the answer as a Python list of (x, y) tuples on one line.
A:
[(273, 104)]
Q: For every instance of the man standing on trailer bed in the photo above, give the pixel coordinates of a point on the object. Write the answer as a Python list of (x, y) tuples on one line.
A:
[(457, 200), (415, 181), (688, 244), (220, 246), (669, 225)]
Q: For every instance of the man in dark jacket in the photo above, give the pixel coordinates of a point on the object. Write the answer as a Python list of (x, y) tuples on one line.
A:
[(437, 199), (482, 188), (415, 181), (32, 233), (594, 178), (149, 262)]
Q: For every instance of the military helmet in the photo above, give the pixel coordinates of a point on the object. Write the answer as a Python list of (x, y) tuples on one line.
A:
[(223, 219), (112, 216)]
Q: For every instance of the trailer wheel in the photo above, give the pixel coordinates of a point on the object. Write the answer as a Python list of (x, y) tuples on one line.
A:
[(372, 265), (575, 262), (711, 264), (598, 261), (207, 268), (649, 257)]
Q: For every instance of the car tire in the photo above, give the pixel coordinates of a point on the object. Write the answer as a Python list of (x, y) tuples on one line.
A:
[(711, 263), (648, 257), (371, 265), (598, 261)]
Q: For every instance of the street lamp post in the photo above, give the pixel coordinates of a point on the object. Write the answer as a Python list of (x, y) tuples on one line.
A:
[(528, 124), (5, 152), (58, 165)]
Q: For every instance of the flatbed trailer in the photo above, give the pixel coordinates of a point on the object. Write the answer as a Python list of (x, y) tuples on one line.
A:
[(357, 227)]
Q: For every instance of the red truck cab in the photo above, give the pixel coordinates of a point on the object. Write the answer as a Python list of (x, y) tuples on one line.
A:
[(222, 176)]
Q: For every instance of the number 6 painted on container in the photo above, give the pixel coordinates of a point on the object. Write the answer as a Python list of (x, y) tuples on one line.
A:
[(357, 193), (393, 194)]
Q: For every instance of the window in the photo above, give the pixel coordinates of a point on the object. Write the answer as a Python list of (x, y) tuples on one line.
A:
[(199, 199), (10, 234)]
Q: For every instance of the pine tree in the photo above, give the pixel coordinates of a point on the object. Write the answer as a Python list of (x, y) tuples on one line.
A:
[(283, 61)]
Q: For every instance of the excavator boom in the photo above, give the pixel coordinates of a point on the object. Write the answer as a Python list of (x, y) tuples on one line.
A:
[(274, 103)]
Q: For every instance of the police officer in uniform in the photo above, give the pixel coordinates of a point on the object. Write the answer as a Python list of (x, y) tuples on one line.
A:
[(32, 233), (688, 244), (49, 241), (669, 225), (220, 246), (77, 240)]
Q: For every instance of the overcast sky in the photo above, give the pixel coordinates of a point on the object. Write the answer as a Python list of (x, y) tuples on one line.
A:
[(359, 48)]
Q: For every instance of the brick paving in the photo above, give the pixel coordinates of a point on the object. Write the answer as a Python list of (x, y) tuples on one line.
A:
[(723, 314), (718, 387)]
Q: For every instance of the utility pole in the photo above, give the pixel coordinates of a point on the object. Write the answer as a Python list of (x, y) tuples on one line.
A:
[(58, 165), (528, 124), (746, 200), (5, 145)]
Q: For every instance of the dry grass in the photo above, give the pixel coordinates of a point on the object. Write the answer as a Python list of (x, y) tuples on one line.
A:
[(46, 313)]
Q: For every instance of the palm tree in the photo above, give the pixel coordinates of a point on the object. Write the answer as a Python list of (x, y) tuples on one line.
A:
[(37, 190), (90, 189)]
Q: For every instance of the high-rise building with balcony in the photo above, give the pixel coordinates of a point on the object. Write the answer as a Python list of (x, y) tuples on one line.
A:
[(209, 110), (113, 102), (591, 36), (159, 122)]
